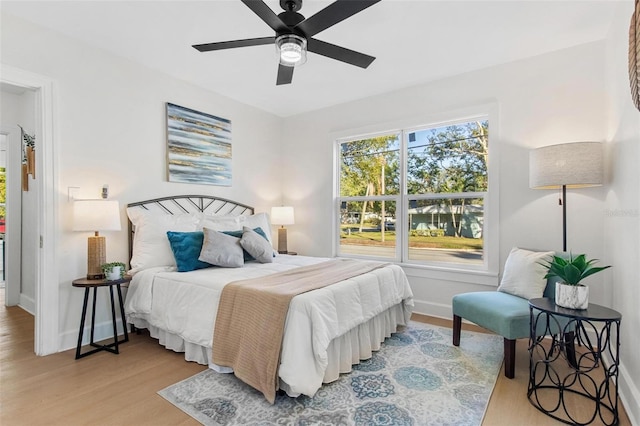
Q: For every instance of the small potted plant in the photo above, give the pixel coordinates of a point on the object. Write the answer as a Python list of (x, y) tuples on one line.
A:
[(569, 292), (113, 270)]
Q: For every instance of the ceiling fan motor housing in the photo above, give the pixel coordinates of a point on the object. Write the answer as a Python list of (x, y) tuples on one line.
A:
[(295, 34)]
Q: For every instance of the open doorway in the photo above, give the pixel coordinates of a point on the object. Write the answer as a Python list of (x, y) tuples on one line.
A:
[(42, 260), (18, 207)]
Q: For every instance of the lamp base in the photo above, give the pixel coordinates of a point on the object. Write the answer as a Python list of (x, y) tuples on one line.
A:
[(96, 257), (282, 240), (95, 277)]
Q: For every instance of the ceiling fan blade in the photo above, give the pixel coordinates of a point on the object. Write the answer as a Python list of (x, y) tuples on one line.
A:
[(339, 53), (266, 14), (285, 75), (332, 14), (207, 47)]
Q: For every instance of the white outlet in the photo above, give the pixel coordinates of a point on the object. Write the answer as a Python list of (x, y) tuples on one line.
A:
[(73, 192)]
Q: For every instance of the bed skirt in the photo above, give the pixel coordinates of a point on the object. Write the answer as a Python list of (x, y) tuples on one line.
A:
[(357, 344)]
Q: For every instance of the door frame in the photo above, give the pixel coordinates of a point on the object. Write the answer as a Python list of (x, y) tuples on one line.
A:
[(46, 339)]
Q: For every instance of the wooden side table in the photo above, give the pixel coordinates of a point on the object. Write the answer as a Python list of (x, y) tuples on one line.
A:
[(94, 284)]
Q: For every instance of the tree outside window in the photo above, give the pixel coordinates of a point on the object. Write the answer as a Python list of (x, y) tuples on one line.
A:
[(416, 195)]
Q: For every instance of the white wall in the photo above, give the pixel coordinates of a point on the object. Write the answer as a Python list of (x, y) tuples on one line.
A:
[(622, 207), (549, 99), (19, 109), (110, 121)]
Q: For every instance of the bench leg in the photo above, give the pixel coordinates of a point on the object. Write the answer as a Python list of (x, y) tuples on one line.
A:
[(457, 324), (509, 358)]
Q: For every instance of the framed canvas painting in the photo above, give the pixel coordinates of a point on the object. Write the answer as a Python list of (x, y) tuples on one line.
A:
[(198, 147)]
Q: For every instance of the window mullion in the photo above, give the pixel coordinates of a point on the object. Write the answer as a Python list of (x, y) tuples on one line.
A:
[(401, 235)]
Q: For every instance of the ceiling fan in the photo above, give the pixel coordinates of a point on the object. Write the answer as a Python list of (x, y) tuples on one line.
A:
[(294, 34)]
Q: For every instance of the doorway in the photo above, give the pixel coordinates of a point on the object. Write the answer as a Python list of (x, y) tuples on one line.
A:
[(18, 111), (43, 263)]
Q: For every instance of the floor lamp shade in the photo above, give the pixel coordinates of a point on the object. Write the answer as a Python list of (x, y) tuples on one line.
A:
[(96, 216), (569, 165), (282, 216), (575, 165)]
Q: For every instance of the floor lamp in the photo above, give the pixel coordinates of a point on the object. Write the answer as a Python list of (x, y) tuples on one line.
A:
[(569, 165)]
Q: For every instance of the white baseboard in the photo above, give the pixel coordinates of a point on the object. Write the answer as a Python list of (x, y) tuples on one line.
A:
[(102, 331), (27, 303), (629, 395), (439, 310)]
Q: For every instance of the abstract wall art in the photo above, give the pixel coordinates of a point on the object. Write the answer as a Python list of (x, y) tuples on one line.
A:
[(198, 147)]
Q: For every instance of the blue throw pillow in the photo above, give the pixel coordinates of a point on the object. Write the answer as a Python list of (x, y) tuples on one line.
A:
[(238, 234), (186, 247)]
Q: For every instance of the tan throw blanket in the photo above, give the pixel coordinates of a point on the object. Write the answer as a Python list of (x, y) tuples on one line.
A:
[(252, 313)]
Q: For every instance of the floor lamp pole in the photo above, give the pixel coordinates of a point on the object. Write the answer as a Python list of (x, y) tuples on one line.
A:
[(564, 218)]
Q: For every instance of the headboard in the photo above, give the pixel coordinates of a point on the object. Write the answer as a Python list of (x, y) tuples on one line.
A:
[(180, 204)]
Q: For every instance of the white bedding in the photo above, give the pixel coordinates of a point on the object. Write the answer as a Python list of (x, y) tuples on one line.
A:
[(320, 324)]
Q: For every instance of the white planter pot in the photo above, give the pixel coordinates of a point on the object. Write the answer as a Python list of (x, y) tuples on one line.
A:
[(114, 274), (572, 296)]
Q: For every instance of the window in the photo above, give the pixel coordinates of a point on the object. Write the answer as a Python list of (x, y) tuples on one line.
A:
[(416, 195)]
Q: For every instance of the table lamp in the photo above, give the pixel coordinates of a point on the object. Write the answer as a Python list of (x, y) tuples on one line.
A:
[(96, 216), (282, 216), (569, 165)]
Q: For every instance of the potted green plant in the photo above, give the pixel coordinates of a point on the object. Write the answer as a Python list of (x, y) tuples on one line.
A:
[(113, 270), (570, 293)]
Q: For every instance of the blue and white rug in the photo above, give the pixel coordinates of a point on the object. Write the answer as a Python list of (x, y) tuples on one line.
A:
[(417, 378)]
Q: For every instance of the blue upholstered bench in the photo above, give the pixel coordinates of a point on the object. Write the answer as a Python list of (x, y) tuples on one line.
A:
[(504, 314)]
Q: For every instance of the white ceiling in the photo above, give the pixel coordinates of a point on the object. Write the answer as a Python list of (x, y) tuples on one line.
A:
[(414, 41)]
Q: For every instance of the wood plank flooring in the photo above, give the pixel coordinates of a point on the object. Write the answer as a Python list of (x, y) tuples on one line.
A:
[(108, 389)]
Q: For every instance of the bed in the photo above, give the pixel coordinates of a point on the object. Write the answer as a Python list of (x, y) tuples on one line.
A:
[(326, 330)]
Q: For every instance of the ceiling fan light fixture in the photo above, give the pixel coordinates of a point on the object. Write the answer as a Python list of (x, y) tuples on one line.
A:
[(292, 50)]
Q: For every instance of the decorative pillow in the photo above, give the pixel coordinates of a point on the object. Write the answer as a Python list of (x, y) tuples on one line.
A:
[(150, 244), (523, 274), (236, 223), (257, 245), (221, 249), (186, 247), (245, 253)]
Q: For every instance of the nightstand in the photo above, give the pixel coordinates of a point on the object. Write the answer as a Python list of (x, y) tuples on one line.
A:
[(94, 284)]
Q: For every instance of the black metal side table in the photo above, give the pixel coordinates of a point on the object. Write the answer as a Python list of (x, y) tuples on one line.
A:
[(557, 375), (94, 284)]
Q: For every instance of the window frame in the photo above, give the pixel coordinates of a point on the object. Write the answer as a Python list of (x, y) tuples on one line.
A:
[(490, 264)]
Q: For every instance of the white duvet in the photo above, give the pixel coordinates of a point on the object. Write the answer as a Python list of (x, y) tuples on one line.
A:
[(185, 304)]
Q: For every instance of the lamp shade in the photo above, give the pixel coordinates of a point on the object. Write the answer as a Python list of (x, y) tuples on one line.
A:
[(282, 216), (96, 215), (576, 165)]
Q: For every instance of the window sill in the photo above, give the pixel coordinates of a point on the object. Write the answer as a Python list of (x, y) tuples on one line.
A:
[(451, 274)]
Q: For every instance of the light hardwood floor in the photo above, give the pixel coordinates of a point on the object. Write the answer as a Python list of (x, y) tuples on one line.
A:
[(107, 389)]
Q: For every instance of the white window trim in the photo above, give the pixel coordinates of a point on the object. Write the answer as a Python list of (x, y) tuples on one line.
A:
[(487, 273)]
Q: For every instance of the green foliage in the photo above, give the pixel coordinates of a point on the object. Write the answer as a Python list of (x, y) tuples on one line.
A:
[(108, 268), (427, 233), (365, 162), (572, 271), (455, 159)]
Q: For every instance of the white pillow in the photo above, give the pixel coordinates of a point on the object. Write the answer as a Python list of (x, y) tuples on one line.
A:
[(256, 245), (150, 243), (221, 249), (236, 223), (523, 274)]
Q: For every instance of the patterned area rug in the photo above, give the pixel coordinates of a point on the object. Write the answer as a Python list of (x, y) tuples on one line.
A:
[(417, 378)]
